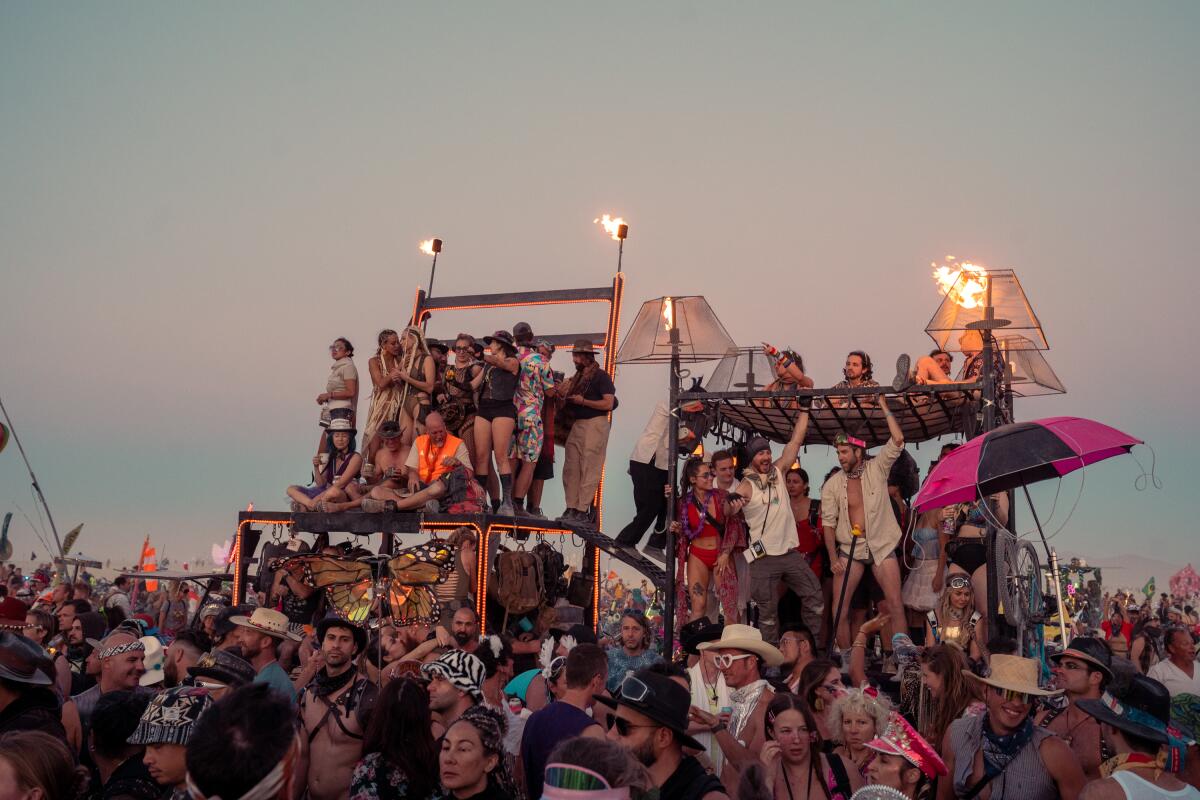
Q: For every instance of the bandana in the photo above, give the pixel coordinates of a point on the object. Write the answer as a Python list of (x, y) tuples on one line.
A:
[(121, 649), (743, 701), (999, 750), (323, 685)]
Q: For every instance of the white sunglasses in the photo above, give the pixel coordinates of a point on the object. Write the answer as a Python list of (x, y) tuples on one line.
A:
[(725, 661)]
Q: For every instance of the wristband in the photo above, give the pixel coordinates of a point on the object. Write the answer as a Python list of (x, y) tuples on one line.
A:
[(720, 726)]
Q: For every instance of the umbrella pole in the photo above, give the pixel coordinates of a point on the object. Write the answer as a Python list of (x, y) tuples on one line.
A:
[(1052, 556)]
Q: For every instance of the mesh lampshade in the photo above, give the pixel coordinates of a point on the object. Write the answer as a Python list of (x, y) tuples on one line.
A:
[(734, 372), (702, 337), (1009, 302), (1031, 374)]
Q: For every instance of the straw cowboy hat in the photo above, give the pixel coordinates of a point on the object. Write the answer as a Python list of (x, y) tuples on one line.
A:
[(1015, 674), (744, 637), (268, 621)]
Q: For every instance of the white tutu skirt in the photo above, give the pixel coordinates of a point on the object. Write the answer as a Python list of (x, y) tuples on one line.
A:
[(918, 590)]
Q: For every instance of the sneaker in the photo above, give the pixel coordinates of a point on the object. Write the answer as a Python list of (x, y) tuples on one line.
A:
[(568, 516), (536, 513), (505, 510), (902, 380)]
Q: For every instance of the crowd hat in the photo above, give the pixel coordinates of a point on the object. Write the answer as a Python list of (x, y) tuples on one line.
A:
[(522, 331), (584, 346), (152, 660), (1091, 650), (171, 716), (1015, 674), (900, 738), (360, 635), (658, 697), (437, 344), (463, 671), (341, 425), (224, 666), (268, 621), (21, 660), (744, 637), (12, 614), (504, 338), (389, 429), (756, 446), (1144, 710), (697, 632)]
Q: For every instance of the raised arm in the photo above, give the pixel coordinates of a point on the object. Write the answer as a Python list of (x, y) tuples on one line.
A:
[(792, 448), (894, 429)]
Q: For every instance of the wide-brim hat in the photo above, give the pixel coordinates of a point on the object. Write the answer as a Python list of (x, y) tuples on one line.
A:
[(21, 660), (224, 666), (584, 346), (666, 702), (341, 426), (1144, 710), (745, 637), (697, 632), (1016, 674), (357, 631), (12, 614), (268, 621), (504, 338), (389, 429), (1089, 649), (437, 344)]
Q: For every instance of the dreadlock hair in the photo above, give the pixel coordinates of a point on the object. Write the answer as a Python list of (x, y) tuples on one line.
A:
[(400, 732), (786, 701)]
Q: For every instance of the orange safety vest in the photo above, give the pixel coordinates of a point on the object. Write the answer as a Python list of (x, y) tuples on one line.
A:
[(430, 458)]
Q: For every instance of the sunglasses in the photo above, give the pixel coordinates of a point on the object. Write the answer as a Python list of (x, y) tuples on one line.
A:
[(623, 726), (1012, 696), (725, 661)]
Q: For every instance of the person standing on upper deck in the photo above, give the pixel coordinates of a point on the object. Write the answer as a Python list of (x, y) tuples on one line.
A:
[(590, 397)]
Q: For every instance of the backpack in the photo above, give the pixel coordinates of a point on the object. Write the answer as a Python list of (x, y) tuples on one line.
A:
[(518, 581), (552, 566)]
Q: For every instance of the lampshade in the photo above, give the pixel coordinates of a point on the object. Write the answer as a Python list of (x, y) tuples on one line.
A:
[(1009, 301), (702, 337), (1031, 374), (742, 369)]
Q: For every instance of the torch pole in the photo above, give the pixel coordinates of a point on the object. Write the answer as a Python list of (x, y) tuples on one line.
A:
[(673, 482), (432, 273)]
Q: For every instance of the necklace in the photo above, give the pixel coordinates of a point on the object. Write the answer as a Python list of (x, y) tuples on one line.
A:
[(788, 783), (710, 688), (1069, 736)]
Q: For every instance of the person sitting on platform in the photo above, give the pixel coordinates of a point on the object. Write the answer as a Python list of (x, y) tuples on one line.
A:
[(789, 375), (934, 368), (334, 471), (858, 372), (388, 473), (436, 472)]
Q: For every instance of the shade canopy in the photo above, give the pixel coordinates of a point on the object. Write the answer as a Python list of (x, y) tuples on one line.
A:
[(1008, 300), (702, 337), (741, 369)]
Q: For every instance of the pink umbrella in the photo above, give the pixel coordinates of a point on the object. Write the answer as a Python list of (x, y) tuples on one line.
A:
[(1017, 455)]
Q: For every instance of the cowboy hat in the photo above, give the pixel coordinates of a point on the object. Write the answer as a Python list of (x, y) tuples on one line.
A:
[(224, 666), (658, 697), (1014, 673), (21, 660), (341, 425), (1143, 711), (584, 346), (12, 614), (744, 637), (504, 338), (268, 621), (152, 659), (697, 632), (332, 621), (1089, 649)]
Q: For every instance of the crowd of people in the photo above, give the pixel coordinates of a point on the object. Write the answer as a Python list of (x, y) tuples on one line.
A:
[(454, 426)]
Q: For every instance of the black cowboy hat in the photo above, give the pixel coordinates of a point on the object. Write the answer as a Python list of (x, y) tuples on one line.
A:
[(659, 698), (1144, 710), (1089, 649), (437, 344), (697, 632), (504, 338), (360, 633), (22, 661), (224, 666)]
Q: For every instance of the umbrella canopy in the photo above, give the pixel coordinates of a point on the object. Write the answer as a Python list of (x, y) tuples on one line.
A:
[(1018, 454)]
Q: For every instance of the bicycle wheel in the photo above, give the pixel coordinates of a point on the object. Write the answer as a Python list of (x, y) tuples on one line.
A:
[(1003, 555)]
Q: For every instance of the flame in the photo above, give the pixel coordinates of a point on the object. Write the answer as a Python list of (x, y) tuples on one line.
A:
[(967, 292), (426, 247), (668, 313), (699, 451), (611, 225)]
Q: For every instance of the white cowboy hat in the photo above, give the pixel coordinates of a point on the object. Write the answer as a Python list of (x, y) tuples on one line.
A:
[(1015, 674), (152, 660), (744, 637), (268, 621)]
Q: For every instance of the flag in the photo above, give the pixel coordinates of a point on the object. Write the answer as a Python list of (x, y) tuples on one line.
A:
[(147, 563), (1148, 589)]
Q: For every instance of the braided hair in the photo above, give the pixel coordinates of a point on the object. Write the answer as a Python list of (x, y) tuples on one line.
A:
[(491, 726)]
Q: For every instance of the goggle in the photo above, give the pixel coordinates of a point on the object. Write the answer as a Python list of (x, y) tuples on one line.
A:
[(635, 690), (959, 582), (1012, 696), (725, 661)]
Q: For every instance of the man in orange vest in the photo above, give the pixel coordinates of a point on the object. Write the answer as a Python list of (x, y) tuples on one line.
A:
[(435, 471)]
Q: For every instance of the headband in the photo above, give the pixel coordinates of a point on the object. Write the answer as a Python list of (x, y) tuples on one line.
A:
[(573, 782), (120, 649), (843, 438)]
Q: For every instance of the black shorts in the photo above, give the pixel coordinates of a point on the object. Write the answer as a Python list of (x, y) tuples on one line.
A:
[(497, 409), (970, 554), (544, 469)]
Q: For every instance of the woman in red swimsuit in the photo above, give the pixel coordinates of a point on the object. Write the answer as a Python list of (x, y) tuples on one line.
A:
[(709, 528)]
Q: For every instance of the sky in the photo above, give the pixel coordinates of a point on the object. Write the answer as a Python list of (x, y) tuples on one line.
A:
[(198, 197)]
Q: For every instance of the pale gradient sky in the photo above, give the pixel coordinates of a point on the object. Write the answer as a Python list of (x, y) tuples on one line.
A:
[(198, 197)]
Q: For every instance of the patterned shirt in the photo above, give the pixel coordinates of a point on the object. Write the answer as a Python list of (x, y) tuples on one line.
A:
[(621, 664), (533, 380), (376, 779)]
